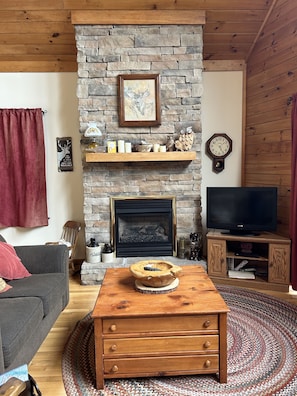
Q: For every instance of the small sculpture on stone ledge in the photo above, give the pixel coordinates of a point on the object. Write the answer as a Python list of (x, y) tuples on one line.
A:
[(185, 140), (170, 143), (195, 246)]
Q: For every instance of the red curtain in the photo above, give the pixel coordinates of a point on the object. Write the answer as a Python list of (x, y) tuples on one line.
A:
[(22, 166), (293, 223)]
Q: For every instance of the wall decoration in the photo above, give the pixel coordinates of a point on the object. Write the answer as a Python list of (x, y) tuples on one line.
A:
[(218, 147), (64, 154), (139, 100)]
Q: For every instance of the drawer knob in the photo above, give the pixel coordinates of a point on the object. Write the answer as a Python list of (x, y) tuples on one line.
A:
[(113, 347), (207, 363), (115, 369), (113, 327), (206, 323), (207, 344)]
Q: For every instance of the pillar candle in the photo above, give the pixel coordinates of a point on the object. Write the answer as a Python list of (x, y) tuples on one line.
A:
[(121, 146), (156, 147), (128, 147)]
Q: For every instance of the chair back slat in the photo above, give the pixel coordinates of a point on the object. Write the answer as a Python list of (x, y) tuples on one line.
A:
[(70, 232)]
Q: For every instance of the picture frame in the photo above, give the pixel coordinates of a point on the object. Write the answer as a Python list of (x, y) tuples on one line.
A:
[(139, 100), (64, 154)]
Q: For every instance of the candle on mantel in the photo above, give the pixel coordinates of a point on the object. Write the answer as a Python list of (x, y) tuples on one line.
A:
[(121, 146), (128, 147)]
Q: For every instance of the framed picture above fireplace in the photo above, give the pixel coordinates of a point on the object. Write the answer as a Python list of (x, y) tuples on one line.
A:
[(139, 100)]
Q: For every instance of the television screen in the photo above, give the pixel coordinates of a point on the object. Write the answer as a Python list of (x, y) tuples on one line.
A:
[(242, 209)]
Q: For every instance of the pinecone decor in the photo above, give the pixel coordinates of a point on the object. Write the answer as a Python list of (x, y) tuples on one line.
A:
[(185, 140)]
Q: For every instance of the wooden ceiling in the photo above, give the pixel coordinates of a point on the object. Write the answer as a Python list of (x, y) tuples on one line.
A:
[(39, 36)]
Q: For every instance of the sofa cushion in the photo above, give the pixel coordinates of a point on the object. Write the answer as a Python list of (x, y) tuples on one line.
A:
[(11, 266), (19, 318), (48, 287)]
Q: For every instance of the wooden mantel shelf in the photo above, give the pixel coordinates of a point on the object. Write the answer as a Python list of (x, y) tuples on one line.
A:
[(138, 17), (141, 157)]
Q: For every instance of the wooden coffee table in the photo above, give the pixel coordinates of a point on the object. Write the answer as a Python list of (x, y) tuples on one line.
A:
[(177, 333)]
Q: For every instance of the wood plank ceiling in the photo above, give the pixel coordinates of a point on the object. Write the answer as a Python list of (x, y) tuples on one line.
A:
[(39, 36)]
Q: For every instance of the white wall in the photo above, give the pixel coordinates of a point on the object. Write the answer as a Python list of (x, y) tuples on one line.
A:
[(56, 93), (221, 113)]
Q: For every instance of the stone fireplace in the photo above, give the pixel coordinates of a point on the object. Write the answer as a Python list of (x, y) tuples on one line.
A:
[(175, 53)]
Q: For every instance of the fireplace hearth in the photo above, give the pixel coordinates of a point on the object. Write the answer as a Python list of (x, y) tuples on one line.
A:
[(143, 227)]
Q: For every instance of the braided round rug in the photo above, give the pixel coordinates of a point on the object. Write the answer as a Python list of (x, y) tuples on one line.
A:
[(262, 355)]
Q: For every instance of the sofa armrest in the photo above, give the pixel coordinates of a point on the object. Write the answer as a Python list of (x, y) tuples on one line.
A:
[(42, 259)]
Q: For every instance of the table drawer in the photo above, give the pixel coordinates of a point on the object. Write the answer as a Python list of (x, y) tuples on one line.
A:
[(157, 324), (161, 365), (155, 345)]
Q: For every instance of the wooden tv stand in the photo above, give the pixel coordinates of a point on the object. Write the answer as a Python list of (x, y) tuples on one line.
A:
[(269, 255)]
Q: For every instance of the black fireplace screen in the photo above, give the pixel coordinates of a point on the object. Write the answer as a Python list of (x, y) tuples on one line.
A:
[(143, 227)]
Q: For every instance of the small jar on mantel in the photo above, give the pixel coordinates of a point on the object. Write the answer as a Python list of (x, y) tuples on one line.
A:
[(107, 253), (93, 252)]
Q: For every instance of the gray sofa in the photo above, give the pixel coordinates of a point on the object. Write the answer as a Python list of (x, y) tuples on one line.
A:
[(30, 308)]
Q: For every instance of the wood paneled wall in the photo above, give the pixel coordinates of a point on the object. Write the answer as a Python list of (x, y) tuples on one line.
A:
[(271, 81)]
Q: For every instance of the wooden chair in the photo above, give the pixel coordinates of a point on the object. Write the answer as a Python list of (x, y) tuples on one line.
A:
[(69, 236)]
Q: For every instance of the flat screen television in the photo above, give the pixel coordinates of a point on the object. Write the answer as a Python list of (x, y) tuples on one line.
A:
[(242, 210)]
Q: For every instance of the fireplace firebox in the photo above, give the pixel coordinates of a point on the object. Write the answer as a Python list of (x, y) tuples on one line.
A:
[(143, 227)]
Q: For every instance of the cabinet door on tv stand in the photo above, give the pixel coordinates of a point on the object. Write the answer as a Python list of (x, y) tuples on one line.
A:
[(279, 263), (216, 258)]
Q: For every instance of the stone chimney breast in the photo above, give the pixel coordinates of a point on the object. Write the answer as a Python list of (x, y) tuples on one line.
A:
[(175, 53)]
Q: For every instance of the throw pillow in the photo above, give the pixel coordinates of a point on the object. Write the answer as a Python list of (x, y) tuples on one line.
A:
[(4, 286), (11, 266)]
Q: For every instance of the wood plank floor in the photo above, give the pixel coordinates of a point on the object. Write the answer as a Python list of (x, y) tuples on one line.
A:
[(46, 365)]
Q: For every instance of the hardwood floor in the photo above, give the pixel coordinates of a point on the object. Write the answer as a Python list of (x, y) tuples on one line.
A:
[(46, 365)]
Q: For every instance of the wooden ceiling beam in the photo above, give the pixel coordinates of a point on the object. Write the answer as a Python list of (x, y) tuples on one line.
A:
[(224, 65), (16, 66)]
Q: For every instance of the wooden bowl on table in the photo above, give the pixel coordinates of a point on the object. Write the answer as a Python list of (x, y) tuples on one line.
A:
[(155, 273)]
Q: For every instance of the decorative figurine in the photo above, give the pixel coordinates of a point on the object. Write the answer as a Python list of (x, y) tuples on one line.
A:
[(185, 140), (195, 244), (170, 143)]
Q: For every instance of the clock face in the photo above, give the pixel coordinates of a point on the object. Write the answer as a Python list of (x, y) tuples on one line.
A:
[(219, 146)]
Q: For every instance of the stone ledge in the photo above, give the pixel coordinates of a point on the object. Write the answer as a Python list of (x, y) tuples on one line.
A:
[(93, 274)]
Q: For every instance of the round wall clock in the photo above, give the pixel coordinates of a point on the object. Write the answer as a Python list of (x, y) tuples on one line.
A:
[(218, 147)]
